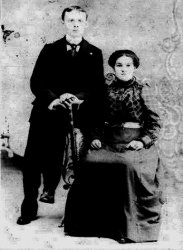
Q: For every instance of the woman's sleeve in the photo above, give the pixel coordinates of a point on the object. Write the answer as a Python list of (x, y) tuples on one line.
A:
[(95, 130), (151, 128), (152, 122), (96, 126)]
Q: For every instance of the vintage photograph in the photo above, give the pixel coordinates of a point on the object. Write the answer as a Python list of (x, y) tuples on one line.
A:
[(91, 124)]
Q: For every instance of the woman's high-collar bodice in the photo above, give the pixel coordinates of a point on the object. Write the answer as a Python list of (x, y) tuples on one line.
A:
[(123, 101), (123, 84)]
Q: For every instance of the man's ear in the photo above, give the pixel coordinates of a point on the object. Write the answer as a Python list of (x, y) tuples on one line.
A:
[(86, 24)]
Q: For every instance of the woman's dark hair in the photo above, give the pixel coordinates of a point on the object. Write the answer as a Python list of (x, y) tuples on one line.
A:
[(118, 53), (71, 8)]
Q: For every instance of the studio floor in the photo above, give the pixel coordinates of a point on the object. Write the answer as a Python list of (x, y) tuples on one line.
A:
[(45, 233)]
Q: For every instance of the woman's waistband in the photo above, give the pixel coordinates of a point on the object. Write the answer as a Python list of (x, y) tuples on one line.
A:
[(124, 125), (123, 133)]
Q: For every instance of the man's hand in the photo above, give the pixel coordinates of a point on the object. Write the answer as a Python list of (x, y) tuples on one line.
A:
[(68, 99), (137, 145), (55, 103), (96, 144), (65, 96)]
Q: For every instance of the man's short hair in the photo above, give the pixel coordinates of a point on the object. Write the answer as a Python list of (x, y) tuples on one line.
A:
[(71, 8)]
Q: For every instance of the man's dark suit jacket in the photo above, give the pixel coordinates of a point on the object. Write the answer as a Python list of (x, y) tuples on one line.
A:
[(56, 73)]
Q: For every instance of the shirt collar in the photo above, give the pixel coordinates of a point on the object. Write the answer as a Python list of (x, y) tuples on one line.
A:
[(75, 41), (70, 48)]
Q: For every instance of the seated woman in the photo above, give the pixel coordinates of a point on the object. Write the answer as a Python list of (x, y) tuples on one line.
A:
[(117, 189)]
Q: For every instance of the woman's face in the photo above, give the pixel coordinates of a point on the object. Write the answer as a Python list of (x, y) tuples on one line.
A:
[(124, 68)]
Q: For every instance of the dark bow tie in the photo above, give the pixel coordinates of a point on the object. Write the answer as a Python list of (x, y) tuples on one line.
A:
[(73, 47)]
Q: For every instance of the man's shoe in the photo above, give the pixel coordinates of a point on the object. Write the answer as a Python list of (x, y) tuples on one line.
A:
[(121, 240), (22, 220), (125, 240), (47, 197)]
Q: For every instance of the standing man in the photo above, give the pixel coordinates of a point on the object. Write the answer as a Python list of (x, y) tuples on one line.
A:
[(67, 71)]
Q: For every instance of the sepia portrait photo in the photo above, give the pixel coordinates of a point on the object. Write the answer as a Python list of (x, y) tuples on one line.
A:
[(91, 124)]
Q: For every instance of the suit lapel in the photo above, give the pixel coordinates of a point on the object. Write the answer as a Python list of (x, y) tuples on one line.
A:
[(62, 45), (85, 48), (61, 50)]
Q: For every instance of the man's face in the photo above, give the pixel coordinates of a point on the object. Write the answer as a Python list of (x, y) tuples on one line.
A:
[(75, 23)]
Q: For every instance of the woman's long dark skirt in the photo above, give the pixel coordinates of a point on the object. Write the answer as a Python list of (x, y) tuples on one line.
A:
[(116, 194)]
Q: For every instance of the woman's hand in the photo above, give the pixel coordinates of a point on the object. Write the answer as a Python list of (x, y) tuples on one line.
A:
[(96, 144), (137, 145)]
